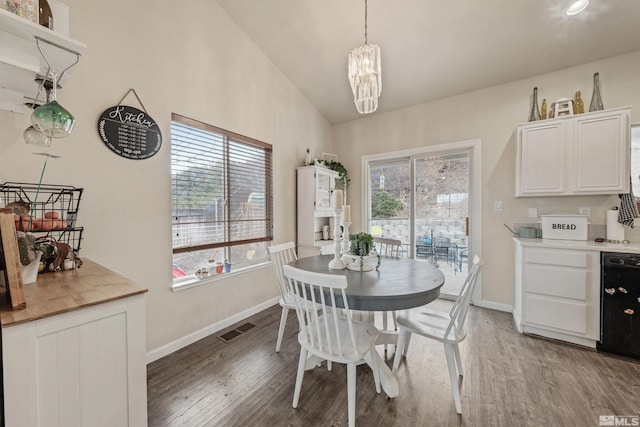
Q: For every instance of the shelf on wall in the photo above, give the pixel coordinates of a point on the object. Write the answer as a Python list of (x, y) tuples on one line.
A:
[(20, 60)]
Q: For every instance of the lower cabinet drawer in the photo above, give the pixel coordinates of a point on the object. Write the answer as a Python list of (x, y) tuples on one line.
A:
[(557, 281), (559, 257), (561, 315)]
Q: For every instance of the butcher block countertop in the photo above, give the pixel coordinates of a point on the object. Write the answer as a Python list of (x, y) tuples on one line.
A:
[(64, 291)]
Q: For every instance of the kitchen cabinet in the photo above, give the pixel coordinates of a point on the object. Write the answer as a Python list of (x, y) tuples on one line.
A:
[(557, 293), (315, 186), (75, 356), (585, 154), (21, 61)]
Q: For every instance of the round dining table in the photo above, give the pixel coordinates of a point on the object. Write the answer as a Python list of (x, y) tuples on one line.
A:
[(397, 285)]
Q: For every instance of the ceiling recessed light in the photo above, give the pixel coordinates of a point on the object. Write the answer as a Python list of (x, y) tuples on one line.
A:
[(577, 7)]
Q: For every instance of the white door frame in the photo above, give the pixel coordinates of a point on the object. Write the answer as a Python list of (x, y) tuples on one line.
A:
[(475, 190)]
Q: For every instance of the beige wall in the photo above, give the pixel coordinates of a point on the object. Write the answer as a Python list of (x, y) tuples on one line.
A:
[(193, 60), (183, 57), (491, 115)]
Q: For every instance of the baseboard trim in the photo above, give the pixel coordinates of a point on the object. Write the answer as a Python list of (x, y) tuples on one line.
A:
[(495, 306), (176, 345)]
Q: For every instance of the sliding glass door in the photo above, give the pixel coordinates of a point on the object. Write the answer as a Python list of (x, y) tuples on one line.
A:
[(424, 201), (442, 213)]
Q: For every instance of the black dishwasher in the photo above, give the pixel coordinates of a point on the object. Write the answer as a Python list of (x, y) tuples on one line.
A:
[(620, 304)]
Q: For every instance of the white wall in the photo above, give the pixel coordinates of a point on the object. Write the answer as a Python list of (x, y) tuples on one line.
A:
[(183, 57), (491, 115)]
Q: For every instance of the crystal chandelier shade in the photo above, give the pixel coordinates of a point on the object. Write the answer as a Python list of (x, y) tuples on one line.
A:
[(365, 74)]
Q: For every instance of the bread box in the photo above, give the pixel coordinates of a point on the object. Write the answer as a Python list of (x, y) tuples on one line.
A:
[(564, 226)]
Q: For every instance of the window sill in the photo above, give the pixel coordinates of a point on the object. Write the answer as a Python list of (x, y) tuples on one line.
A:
[(193, 282)]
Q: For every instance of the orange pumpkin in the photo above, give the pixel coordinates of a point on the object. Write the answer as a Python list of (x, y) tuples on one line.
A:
[(36, 224), (48, 224), (26, 219)]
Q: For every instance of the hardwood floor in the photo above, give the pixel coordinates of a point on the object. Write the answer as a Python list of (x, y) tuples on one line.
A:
[(510, 380)]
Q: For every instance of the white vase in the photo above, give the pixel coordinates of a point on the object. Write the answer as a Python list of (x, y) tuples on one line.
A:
[(30, 272)]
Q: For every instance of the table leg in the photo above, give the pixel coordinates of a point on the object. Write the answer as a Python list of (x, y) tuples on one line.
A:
[(388, 379), (312, 361)]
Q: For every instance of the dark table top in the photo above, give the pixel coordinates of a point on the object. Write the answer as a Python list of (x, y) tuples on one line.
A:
[(399, 284)]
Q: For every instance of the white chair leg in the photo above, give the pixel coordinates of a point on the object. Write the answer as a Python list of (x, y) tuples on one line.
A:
[(453, 377), (456, 352), (351, 393), (301, 364), (406, 345), (395, 323), (283, 322), (384, 328), (403, 336)]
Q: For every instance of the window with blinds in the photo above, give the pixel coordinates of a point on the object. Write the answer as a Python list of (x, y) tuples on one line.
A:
[(222, 207)]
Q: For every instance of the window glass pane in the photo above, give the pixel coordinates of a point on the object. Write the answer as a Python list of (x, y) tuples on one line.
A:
[(221, 196), (197, 170), (390, 208)]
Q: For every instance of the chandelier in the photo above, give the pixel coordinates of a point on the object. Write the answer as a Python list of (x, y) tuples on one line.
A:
[(365, 73)]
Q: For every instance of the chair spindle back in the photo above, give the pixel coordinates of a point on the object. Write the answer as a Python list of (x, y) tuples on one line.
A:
[(458, 312), (281, 255)]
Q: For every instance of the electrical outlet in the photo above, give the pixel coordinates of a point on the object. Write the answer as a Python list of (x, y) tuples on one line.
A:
[(585, 211), (497, 206), (533, 212)]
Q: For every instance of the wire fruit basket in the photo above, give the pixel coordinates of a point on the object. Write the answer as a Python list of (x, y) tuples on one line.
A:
[(52, 210)]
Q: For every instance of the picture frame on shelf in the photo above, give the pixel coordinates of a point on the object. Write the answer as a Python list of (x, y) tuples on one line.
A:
[(328, 157)]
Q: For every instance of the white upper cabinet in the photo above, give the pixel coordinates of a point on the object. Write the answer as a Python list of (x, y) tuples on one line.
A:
[(21, 61), (541, 159), (602, 153), (585, 154)]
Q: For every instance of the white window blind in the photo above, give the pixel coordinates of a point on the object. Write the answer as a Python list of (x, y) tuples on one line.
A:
[(221, 191)]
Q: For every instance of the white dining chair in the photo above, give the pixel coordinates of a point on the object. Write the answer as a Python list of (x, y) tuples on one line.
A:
[(330, 333), (388, 248), (280, 255), (445, 327)]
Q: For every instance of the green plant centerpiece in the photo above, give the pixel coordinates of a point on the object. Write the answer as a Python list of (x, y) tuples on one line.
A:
[(361, 247)]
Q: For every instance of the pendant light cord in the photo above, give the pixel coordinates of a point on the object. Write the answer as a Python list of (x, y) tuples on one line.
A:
[(365, 22)]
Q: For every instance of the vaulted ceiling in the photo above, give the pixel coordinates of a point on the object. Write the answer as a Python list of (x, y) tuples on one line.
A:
[(431, 49)]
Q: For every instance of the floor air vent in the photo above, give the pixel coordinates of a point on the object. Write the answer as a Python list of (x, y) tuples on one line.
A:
[(228, 336)]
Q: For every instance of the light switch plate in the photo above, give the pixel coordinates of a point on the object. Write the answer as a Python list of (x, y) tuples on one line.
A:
[(497, 206)]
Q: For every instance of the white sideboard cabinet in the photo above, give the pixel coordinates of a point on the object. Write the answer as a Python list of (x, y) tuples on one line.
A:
[(585, 154), (75, 356), (315, 185), (557, 293)]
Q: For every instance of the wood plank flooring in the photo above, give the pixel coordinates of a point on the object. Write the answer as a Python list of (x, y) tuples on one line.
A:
[(510, 380)]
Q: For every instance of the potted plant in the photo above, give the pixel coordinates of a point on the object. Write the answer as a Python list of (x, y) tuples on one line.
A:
[(361, 245)]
